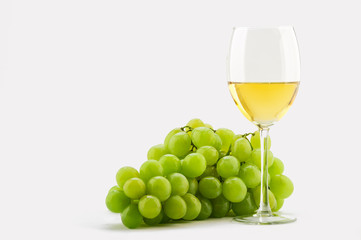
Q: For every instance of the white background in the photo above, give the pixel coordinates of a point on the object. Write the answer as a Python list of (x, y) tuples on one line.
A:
[(86, 87)]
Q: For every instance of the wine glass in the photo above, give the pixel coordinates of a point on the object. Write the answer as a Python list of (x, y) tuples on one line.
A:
[(263, 78)]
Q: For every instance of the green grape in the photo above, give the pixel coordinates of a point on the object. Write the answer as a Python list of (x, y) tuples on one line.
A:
[(193, 165), (257, 197), (250, 174), (134, 188), (234, 189), (241, 149), (154, 221), (195, 123), (193, 206), (235, 138), (160, 187), (273, 200), (206, 208), (256, 142), (208, 125), (210, 187), (131, 216), (218, 144), (149, 169), (124, 174), (278, 205), (149, 206), (179, 183), (211, 171), (170, 135), (281, 186), (156, 152), (226, 136), (220, 207), (175, 207), (256, 158), (180, 144), (116, 187), (170, 164), (247, 206), (203, 136), (116, 201), (228, 166), (277, 167), (209, 153), (193, 186)]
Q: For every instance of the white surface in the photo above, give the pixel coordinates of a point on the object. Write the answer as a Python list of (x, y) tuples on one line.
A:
[(88, 86)]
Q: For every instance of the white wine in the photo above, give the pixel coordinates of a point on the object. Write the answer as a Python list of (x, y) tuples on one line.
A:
[(263, 103)]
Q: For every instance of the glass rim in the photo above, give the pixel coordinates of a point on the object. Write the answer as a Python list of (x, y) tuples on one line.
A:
[(264, 27)]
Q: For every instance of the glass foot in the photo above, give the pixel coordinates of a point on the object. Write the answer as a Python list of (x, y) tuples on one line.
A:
[(265, 219)]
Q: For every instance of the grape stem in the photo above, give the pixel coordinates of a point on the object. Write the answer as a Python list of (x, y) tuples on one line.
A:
[(247, 134), (246, 137), (188, 128), (193, 146)]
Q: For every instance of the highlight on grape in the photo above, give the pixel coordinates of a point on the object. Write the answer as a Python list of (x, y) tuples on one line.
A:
[(197, 173)]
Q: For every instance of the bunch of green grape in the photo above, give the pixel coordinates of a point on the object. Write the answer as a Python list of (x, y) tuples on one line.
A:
[(197, 173)]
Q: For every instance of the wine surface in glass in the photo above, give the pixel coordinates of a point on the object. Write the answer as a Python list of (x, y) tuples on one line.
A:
[(263, 103)]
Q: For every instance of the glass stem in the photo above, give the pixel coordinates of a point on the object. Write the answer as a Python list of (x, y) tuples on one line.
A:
[(264, 207)]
